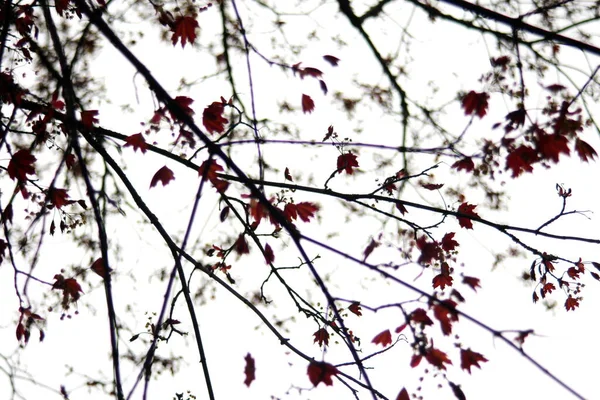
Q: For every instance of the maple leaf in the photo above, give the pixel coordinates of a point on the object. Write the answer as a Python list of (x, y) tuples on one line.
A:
[(355, 308), (249, 370), (286, 174), (571, 303), (466, 209), (70, 287), (401, 208), (457, 391), (241, 246), (88, 118), (346, 162), (323, 86), (429, 250), (308, 105), (432, 186), (331, 60), (21, 165), (70, 160), (448, 242), (584, 150), (184, 103), (321, 372), (415, 360), (475, 103), (401, 328), (465, 163), (445, 313), (403, 395), (209, 170), (442, 280), (520, 160), (469, 358), (384, 338), (329, 133), (321, 336), (212, 118), (136, 141), (310, 71), (472, 282), (164, 175), (550, 146), (437, 358), (61, 6), (369, 249), (548, 288), (269, 256), (99, 268), (59, 197), (184, 30), (306, 210), (420, 316)]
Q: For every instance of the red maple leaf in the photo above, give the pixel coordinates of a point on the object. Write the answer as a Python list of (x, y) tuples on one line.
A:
[(584, 150), (475, 103), (212, 118), (70, 287), (99, 267), (185, 29), (346, 162), (355, 308), (403, 395), (465, 163), (420, 316), (321, 372), (401, 208), (415, 360), (521, 159), (442, 280), (209, 170), (59, 197), (88, 118), (384, 338), (308, 105), (437, 358), (269, 256), (241, 246), (310, 71), (21, 165), (369, 249), (331, 60), (550, 146), (184, 103), (445, 313), (61, 6), (249, 370), (400, 328), (323, 86), (321, 336), (469, 358), (472, 282), (466, 209), (306, 210), (429, 250), (448, 242), (432, 186), (163, 175), (571, 303), (286, 174), (136, 141)]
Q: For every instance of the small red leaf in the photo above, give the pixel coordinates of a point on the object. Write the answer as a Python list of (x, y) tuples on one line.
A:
[(401, 208), (432, 186), (306, 210), (469, 358), (163, 175), (59, 197), (286, 175), (184, 30), (99, 268), (572, 303), (448, 242), (310, 71), (475, 103), (467, 209), (465, 163), (136, 141), (323, 86), (241, 246), (321, 372), (585, 151), (346, 162), (21, 165), (403, 395), (355, 308), (472, 282), (212, 118), (415, 360), (269, 256), (437, 358), (88, 118), (331, 60), (321, 336), (249, 370), (369, 249), (308, 105), (384, 338)]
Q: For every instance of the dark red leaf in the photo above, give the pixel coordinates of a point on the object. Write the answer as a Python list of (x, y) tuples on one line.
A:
[(465, 163), (269, 256), (286, 175), (432, 186), (331, 60), (437, 358), (520, 160), (212, 118), (403, 395), (21, 165), (163, 175), (401, 208), (321, 372), (323, 86), (469, 358), (584, 150), (355, 308), (384, 338), (475, 103), (241, 246), (249, 370), (306, 210), (184, 30), (472, 282), (321, 336), (136, 141), (308, 105), (88, 118), (448, 242), (369, 249), (466, 209), (346, 162)]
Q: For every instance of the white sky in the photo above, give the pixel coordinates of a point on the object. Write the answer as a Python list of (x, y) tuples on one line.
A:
[(453, 61)]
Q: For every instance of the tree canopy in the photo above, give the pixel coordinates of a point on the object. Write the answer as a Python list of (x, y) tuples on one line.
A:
[(291, 199)]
